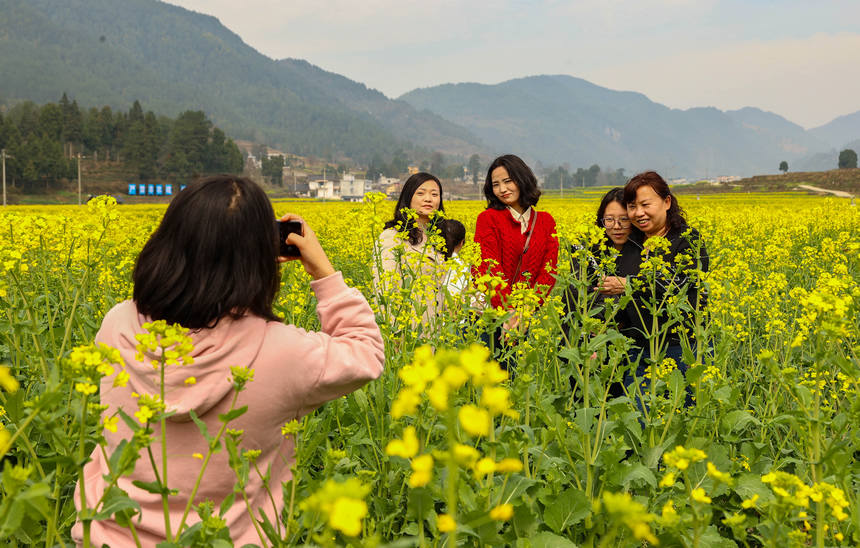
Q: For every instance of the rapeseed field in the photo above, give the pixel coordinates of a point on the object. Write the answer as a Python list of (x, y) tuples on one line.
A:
[(447, 448)]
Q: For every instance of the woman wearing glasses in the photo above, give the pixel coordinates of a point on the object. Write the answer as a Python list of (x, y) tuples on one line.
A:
[(602, 275)]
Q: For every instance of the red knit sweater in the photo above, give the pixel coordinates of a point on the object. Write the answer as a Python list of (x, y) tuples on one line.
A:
[(502, 244)]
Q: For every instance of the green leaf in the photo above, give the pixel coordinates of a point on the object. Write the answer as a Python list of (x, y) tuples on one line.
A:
[(749, 484), (547, 540), (420, 505), (226, 504), (639, 472), (360, 399), (130, 422), (738, 420), (116, 500), (149, 486), (204, 430), (711, 539), (569, 508), (232, 414)]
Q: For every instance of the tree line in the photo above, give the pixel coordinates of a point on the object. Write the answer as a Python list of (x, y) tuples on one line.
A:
[(562, 177), (42, 143)]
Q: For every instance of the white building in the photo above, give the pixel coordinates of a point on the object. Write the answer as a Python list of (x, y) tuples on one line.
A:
[(322, 189), (352, 188)]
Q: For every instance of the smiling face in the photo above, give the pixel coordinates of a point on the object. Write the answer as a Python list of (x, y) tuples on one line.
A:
[(616, 223), (505, 188), (648, 211), (426, 199)]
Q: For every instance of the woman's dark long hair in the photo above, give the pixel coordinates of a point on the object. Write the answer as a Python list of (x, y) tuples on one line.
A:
[(401, 221), (521, 174), (213, 255), (675, 216)]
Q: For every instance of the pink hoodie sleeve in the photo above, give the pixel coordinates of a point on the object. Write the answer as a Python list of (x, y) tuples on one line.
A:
[(349, 349)]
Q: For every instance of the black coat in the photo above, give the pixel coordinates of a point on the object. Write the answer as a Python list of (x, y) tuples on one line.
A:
[(596, 266), (686, 252)]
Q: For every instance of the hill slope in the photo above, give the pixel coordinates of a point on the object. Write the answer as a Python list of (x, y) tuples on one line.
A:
[(556, 119), (840, 131), (171, 59)]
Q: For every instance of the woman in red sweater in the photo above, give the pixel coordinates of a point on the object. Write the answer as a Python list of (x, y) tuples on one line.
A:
[(518, 244)]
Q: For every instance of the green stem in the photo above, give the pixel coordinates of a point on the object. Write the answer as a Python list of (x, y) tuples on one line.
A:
[(215, 443), (86, 519)]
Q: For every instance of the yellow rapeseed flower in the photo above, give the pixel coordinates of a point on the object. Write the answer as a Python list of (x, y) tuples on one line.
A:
[(750, 502), (507, 466), (110, 423), (483, 467), (699, 495), (143, 414), (717, 475), (121, 378), (422, 471), (474, 420), (406, 447), (86, 388), (668, 480), (503, 512), (445, 523), (405, 403), (465, 455), (346, 515)]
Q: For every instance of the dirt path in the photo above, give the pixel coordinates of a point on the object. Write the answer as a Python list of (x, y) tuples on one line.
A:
[(840, 193)]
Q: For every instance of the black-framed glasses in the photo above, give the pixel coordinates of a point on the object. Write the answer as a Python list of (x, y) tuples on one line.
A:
[(623, 222)]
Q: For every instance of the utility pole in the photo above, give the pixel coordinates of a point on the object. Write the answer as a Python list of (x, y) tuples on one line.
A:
[(79, 178), (3, 156)]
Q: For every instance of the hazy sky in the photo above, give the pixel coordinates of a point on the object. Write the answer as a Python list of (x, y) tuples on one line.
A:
[(798, 59)]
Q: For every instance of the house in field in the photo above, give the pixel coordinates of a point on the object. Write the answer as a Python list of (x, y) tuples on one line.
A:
[(352, 189), (322, 189)]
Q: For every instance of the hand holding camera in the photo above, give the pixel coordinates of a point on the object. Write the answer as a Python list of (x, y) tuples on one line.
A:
[(301, 244)]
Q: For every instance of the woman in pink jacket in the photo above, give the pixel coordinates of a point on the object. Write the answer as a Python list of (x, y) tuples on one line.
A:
[(213, 266)]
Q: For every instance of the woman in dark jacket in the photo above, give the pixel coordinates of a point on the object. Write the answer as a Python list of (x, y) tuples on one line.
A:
[(654, 212), (612, 217)]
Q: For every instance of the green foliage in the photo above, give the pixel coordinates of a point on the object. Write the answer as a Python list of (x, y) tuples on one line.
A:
[(847, 159), (43, 141), (783, 166), (173, 60)]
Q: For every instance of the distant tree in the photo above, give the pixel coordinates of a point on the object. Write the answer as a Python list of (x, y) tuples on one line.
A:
[(558, 178), (475, 168), (51, 122), (783, 166), (399, 163), (273, 168), (375, 168), (847, 159), (591, 175), (437, 163)]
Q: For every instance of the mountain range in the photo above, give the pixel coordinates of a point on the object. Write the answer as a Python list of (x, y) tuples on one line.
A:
[(111, 52)]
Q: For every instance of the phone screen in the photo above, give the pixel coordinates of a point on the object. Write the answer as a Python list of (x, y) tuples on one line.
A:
[(284, 229)]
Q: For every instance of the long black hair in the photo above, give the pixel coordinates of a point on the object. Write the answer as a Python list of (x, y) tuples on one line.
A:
[(402, 221), (213, 255), (521, 174), (454, 234), (675, 216)]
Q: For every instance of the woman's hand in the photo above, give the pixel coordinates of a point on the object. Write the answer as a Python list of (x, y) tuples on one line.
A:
[(612, 285), (512, 323), (313, 257)]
